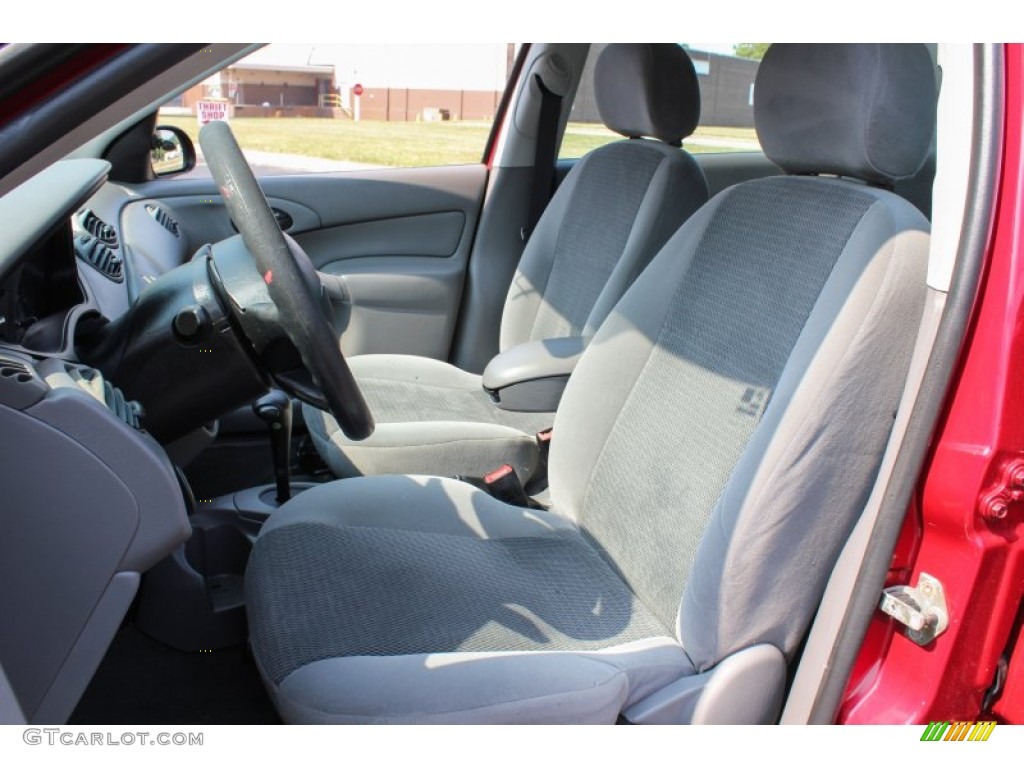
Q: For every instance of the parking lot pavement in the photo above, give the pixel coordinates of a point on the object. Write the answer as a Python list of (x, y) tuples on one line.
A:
[(276, 164)]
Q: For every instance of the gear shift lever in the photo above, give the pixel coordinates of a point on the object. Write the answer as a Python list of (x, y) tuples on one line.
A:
[(275, 408)]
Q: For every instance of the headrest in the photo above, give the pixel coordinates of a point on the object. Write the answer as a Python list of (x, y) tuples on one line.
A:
[(647, 89), (864, 110)]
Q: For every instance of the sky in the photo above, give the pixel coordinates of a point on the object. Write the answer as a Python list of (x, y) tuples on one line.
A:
[(461, 20), (473, 66)]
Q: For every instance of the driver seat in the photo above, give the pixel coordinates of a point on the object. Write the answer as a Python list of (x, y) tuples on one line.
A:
[(608, 219), (714, 449)]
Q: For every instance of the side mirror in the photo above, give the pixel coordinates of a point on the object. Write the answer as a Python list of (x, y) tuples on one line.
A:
[(171, 151)]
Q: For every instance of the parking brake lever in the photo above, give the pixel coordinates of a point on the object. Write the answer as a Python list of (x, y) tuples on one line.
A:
[(275, 408)]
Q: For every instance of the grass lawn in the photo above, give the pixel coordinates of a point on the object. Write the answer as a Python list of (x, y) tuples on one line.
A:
[(580, 138), (414, 144)]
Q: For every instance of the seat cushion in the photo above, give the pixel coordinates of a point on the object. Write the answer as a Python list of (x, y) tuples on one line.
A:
[(455, 606), (432, 418)]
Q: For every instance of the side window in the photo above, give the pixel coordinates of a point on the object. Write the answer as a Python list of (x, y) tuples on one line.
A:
[(726, 72), (308, 109)]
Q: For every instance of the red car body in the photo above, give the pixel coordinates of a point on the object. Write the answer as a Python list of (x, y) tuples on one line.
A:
[(964, 524)]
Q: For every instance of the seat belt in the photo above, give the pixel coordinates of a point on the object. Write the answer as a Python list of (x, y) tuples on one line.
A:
[(544, 156), (504, 484)]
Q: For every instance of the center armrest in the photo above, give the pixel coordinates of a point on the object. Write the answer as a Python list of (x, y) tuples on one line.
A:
[(531, 376)]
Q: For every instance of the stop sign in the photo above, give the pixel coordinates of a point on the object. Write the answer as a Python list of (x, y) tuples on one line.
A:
[(357, 89)]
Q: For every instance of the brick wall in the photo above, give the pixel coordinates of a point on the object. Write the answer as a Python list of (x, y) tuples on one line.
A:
[(410, 104)]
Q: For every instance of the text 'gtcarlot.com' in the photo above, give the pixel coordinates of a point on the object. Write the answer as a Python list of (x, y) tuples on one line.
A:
[(73, 738)]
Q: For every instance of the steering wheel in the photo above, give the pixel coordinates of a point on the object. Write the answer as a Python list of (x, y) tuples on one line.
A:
[(291, 281)]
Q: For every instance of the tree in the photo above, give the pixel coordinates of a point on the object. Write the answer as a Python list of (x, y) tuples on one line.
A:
[(750, 50)]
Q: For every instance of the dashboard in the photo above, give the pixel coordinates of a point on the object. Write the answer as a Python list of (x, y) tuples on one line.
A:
[(39, 293), (91, 500), (80, 257)]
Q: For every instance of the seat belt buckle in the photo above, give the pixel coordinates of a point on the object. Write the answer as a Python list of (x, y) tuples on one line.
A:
[(544, 443), (504, 485), (540, 476)]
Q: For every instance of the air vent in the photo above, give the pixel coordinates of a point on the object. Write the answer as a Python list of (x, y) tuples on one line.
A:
[(98, 228), (100, 256), (16, 369), (163, 218)]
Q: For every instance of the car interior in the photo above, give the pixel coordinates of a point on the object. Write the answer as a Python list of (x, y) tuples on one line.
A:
[(521, 441)]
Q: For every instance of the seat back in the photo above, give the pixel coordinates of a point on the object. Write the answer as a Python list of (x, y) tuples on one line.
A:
[(721, 434), (619, 204)]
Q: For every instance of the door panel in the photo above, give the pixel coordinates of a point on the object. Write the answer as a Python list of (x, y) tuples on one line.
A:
[(400, 278), (431, 234), (352, 196), (205, 220), (398, 240), (402, 305)]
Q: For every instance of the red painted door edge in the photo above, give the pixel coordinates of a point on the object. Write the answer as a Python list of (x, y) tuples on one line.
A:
[(954, 530), (58, 79)]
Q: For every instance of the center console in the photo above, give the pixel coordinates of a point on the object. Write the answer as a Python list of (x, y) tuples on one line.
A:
[(194, 600)]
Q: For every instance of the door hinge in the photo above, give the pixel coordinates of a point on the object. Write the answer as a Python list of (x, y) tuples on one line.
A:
[(1006, 493), (921, 609)]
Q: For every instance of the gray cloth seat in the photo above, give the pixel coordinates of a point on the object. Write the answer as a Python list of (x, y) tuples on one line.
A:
[(550, 600), (610, 215), (713, 450), (431, 417)]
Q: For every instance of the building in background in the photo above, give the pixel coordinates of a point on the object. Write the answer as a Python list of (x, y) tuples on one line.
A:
[(423, 82), (255, 88), (412, 82)]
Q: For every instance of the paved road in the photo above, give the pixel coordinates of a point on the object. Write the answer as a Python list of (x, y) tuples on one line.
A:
[(276, 164)]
